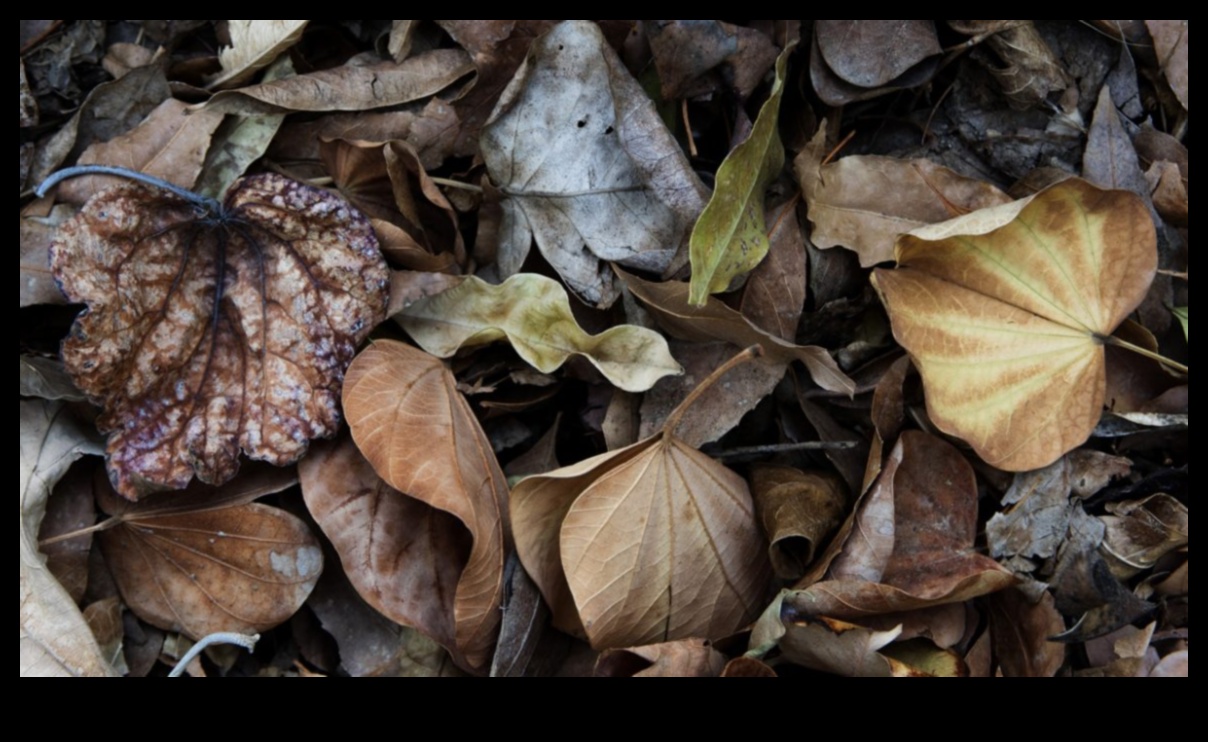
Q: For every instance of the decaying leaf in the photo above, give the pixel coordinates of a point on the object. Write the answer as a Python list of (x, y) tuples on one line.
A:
[(55, 640), (864, 202), (834, 646), (586, 166), (853, 60), (1004, 312), (686, 658), (211, 333), (533, 313), (919, 548), (686, 51), (1027, 69), (799, 511), (254, 46), (650, 543), (1141, 532), (208, 559), (1170, 44), (1021, 631), (728, 239), (418, 432)]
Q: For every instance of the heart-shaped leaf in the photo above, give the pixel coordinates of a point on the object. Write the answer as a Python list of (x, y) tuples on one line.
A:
[(1006, 324), (211, 328), (533, 313), (418, 432)]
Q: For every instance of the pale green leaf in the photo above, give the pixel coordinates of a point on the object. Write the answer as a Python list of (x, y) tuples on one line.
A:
[(533, 313), (1181, 313), (729, 238)]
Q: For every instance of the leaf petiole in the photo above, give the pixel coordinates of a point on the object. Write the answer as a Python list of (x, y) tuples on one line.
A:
[(205, 202), (1175, 365)]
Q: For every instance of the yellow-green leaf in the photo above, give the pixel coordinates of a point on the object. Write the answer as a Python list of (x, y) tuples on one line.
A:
[(729, 237), (1181, 313), (533, 313), (1007, 325)]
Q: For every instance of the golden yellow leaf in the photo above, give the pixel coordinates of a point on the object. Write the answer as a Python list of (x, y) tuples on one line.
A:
[(1007, 325)]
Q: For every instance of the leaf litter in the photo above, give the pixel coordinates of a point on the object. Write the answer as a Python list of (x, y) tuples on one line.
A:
[(660, 517)]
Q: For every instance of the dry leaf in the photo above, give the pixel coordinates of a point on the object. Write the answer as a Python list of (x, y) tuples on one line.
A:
[(1170, 44), (350, 87), (799, 511), (728, 239), (864, 202), (70, 510), (370, 644), (1110, 159), (686, 658), (1021, 631), (207, 559), (1141, 532), (931, 525), (397, 398), (1006, 325), (686, 51), (46, 378), (775, 292), (838, 647), (208, 334), (39, 220), (650, 543), (1036, 514), (587, 166), (533, 313), (1029, 69), (873, 53), (55, 640), (254, 46)]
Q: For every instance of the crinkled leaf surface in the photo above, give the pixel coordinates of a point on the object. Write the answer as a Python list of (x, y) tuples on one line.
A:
[(1005, 324), (208, 559), (728, 239), (587, 166), (533, 313), (420, 436), (204, 336), (254, 46), (55, 640)]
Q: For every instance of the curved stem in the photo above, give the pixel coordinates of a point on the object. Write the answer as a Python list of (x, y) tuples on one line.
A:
[(1146, 352), (122, 172), (247, 641), (677, 414), (104, 525)]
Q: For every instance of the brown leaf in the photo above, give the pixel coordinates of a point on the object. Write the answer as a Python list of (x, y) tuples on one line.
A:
[(870, 54), (799, 511), (863, 202), (396, 397), (1170, 43), (370, 644), (1168, 188), (685, 51), (1029, 69), (587, 167), (254, 46), (55, 641), (686, 658), (207, 335), (838, 647), (775, 291), (208, 559), (1021, 631), (349, 88), (1141, 532), (650, 543), (38, 224), (1110, 160), (72, 509), (934, 523)]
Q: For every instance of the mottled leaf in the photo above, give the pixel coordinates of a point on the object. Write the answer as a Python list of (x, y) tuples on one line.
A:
[(728, 239), (207, 559), (208, 334), (532, 312), (1006, 325), (586, 166), (421, 438), (254, 46)]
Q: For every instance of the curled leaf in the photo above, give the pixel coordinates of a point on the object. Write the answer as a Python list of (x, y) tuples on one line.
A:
[(254, 46), (418, 432), (213, 331), (533, 313), (728, 239), (1006, 325)]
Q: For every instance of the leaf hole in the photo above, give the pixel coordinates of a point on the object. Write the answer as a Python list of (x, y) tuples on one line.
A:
[(609, 130), (582, 123)]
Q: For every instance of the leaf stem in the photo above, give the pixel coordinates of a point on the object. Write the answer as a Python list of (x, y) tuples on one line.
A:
[(247, 641), (673, 419), (104, 525), (455, 184), (122, 172), (1112, 340)]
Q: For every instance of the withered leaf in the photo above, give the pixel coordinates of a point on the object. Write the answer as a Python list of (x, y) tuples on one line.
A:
[(685, 658), (872, 53), (211, 333), (1004, 312), (208, 559), (254, 46), (1021, 631), (586, 165), (1170, 43), (418, 432), (799, 511)]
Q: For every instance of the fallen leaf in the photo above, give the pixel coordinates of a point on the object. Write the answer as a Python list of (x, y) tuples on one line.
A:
[(1110, 159), (1141, 532), (1006, 326), (191, 316), (799, 511), (1021, 629), (1173, 665), (533, 313), (1027, 69), (932, 524), (208, 559), (686, 51), (1036, 514), (399, 43), (830, 645), (524, 623), (686, 658), (70, 511), (169, 144), (1181, 314), (1168, 189), (863, 202), (254, 46), (396, 397), (350, 87), (370, 644), (872, 53), (586, 166), (39, 220), (716, 321), (728, 239), (775, 291), (55, 640), (46, 378), (1170, 44), (651, 543)]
